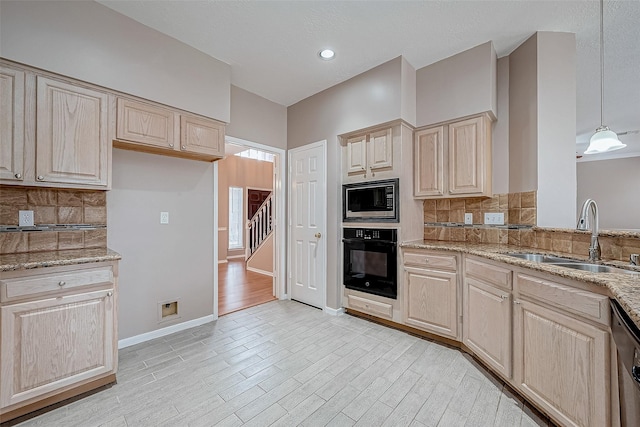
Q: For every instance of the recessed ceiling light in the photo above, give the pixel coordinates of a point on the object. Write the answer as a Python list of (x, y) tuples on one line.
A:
[(326, 54)]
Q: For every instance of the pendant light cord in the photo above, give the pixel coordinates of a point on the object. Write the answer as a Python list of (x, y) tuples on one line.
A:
[(601, 62)]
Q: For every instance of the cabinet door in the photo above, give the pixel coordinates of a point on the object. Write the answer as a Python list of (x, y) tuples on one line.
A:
[(467, 162), (72, 134), (11, 124), (428, 163), (562, 364), (431, 301), (201, 136), (52, 343), (145, 123), (487, 324), (357, 155), (380, 150)]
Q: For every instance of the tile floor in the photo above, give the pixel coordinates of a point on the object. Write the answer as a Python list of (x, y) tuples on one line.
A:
[(284, 364)]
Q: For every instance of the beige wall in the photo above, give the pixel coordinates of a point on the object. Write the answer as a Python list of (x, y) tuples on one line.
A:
[(613, 184), (91, 42), (161, 262), (234, 171), (257, 119), (371, 98), (523, 117), (457, 86), (556, 129), (500, 137)]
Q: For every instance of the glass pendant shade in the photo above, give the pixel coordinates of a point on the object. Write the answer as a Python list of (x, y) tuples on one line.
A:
[(604, 140)]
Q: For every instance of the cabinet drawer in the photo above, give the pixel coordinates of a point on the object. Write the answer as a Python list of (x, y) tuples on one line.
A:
[(374, 308), (425, 259), (572, 300), (23, 287), (489, 273)]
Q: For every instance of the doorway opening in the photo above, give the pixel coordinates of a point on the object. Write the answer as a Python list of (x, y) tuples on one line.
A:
[(249, 232)]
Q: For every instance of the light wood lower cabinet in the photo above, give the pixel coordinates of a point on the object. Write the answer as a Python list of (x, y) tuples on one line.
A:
[(487, 323), (562, 365), (431, 294), (54, 340)]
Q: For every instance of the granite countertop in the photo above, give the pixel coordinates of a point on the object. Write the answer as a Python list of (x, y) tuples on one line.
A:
[(625, 288), (23, 261)]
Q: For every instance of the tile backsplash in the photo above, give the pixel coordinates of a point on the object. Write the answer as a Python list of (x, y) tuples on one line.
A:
[(518, 209), (53, 207)]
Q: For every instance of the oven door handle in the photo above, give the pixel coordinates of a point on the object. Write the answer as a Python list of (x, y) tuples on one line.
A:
[(384, 242)]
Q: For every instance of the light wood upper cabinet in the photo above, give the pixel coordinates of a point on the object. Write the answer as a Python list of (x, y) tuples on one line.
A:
[(562, 364), (148, 127), (453, 159), (357, 155), (369, 153), (145, 123), (429, 162), (11, 124), (201, 136), (72, 142), (431, 292)]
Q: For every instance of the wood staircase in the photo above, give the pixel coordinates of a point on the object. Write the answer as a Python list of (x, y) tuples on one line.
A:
[(259, 227)]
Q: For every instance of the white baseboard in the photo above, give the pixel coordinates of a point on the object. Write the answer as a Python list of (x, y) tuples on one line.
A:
[(235, 256), (257, 270), (222, 261), (127, 342), (334, 311)]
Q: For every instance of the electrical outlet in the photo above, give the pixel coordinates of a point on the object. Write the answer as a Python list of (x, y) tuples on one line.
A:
[(468, 218), (25, 218), (164, 217), (494, 218)]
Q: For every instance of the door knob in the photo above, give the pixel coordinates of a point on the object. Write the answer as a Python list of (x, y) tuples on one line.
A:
[(318, 235)]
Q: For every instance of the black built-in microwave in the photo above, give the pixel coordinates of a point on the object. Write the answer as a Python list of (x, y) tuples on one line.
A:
[(372, 201)]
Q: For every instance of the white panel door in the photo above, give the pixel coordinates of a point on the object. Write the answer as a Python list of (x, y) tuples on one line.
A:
[(307, 224)]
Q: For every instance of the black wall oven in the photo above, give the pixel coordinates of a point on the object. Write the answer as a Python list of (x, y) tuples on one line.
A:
[(370, 260)]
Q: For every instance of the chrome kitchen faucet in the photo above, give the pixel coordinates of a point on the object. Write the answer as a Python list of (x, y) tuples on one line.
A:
[(583, 224)]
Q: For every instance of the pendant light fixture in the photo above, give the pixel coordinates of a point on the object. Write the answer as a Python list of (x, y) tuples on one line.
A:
[(604, 139)]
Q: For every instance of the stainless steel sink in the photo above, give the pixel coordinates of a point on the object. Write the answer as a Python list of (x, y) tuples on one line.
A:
[(595, 268), (547, 259)]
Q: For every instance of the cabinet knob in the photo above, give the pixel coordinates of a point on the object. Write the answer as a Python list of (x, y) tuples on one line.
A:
[(18, 176), (516, 302), (171, 145), (504, 297), (62, 283), (109, 293), (426, 260), (184, 147), (40, 177)]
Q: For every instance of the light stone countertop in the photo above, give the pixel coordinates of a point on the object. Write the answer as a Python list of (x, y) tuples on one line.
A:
[(28, 260), (625, 288)]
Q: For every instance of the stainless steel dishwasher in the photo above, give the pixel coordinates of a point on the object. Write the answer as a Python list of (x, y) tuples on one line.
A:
[(627, 338)]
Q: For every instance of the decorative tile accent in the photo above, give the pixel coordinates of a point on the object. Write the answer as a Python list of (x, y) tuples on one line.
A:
[(453, 210), (42, 241), (52, 206)]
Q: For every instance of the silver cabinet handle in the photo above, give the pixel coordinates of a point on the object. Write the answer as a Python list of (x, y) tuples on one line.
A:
[(184, 147), (516, 302), (62, 283), (40, 177), (504, 297), (18, 176), (171, 145), (109, 293)]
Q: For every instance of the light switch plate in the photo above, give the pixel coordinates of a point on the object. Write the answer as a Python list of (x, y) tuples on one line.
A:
[(164, 217), (25, 218), (494, 218), (468, 218)]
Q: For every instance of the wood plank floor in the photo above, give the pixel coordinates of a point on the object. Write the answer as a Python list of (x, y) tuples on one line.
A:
[(284, 363), (239, 289)]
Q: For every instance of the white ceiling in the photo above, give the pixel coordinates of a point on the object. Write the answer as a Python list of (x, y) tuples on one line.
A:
[(272, 46)]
